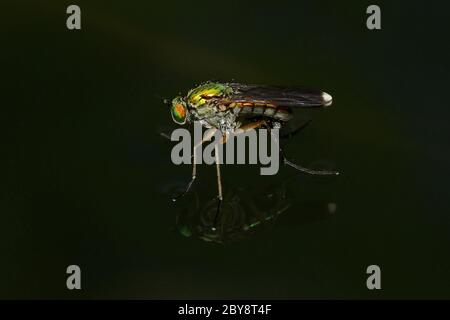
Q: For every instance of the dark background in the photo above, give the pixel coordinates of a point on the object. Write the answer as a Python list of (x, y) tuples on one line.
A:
[(86, 177)]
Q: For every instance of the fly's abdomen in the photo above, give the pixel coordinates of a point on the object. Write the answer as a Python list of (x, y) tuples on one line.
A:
[(253, 109)]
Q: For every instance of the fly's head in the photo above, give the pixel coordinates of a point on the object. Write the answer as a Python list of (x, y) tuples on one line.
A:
[(179, 111)]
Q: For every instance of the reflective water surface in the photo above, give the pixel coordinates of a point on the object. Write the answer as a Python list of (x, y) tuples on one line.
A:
[(245, 212)]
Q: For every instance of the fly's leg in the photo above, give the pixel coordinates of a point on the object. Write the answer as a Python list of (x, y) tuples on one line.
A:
[(295, 131), (250, 126), (300, 168), (165, 135), (242, 129), (309, 171), (188, 187), (219, 184), (194, 165)]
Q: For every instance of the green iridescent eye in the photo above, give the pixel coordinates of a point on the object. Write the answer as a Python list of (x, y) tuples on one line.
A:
[(179, 111)]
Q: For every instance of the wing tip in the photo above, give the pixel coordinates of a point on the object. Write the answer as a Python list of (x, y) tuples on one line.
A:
[(327, 99)]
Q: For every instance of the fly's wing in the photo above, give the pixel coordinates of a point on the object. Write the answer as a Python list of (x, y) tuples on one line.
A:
[(280, 96)]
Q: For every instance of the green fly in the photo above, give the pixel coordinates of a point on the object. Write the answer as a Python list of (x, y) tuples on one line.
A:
[(237, 108)]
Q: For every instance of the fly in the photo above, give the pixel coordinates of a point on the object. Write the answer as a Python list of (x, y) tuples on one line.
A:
[(236, 108)]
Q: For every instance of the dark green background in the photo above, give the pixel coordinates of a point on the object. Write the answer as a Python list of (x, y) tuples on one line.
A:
[(85, 173)]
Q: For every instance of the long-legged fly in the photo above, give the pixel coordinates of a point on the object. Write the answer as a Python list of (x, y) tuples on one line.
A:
[(236, 107)]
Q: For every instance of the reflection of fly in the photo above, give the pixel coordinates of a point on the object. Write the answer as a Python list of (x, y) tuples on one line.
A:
[(237, 108)]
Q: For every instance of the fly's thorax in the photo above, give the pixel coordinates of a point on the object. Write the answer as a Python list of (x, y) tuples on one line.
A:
[(206, 92)]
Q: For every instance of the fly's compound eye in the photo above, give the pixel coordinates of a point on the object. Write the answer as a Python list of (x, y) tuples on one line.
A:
[(179, 112)]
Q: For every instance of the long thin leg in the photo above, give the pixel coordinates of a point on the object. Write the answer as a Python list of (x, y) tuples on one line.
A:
[(260, 123), (219, 186), (290, 134), (194, 175), (194, 165), (300, 168), (309, 171), (165, 135), (249, 126)]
